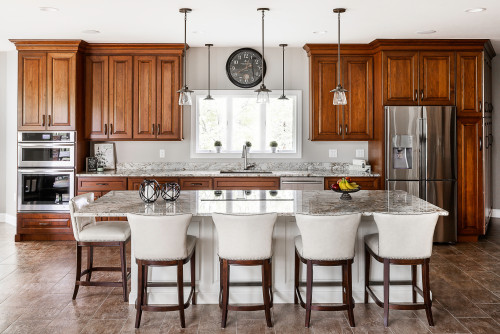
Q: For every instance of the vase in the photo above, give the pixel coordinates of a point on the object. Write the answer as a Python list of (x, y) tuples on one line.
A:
[(218, 148), (273, 149)]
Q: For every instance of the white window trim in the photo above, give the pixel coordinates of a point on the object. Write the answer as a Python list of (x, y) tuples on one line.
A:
[(260, 155)]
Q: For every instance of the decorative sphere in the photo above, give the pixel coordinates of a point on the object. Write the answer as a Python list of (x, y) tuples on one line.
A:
[(149, 191), (170, 191)]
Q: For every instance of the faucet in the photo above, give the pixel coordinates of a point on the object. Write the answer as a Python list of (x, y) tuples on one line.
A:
[(244, 155)]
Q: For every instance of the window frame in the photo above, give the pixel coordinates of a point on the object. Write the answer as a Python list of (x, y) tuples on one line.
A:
[(212, 154)]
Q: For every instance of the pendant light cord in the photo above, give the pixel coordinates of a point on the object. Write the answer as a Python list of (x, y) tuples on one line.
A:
[(208, 70), (283, 94), (263, 48), (338, 46), (185, 48)]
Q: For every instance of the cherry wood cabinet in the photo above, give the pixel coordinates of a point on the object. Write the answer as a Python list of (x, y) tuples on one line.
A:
[(366, 183), (134, 183), (196, 183), (418, 77), (96, 97), (470, 178), (43, 226), (469, 83), (246, 183), (120, 97), (100, 186), (61, 91)]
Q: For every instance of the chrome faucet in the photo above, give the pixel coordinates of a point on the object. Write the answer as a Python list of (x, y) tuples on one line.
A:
[(244, 155)]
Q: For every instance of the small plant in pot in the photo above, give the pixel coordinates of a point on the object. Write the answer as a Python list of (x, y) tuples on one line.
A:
[(273, 145), (248, 145), (218, 146)]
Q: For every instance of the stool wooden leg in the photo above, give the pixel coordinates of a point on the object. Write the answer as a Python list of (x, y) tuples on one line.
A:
[(309, 292), (193, 276), (221, 279), (296, 278), (123, 255), (270, 281), (140, 293), (427, 292), (387, 276), (367, 272), (145, 286), (413, 283), (350, 300), (90, 261), (344, 288), (265, 292), (78, 269), (180, 292), (225, 291)]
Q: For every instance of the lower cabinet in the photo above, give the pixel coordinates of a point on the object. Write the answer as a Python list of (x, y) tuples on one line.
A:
[(247, 183), (196, 183), (366, 183), (43, 226), (134, 183)]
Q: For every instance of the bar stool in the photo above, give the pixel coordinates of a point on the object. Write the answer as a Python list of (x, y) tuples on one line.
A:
[(162, 241), (245, 240), (326, 241), (402, 240), (89, 233)]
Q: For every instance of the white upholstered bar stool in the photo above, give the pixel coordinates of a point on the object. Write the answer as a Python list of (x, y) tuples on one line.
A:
[(89, 233), (245, 240), (326, 241), (402, 240), (162, 241)]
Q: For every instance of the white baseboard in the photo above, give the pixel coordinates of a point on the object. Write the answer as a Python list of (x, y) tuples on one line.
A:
[(495, 213), (9, 219)]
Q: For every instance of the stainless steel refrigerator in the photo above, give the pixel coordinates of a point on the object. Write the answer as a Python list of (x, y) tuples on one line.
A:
[(421, 158)]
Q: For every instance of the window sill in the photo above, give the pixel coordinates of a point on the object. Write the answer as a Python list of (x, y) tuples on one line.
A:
[(256, 155)]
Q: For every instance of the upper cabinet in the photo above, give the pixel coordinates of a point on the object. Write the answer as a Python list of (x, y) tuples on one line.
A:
[(353, 121), (469, 83), (49, 75), (418, 78)]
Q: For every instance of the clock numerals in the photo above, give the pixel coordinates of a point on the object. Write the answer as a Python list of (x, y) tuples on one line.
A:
[(244, 68)]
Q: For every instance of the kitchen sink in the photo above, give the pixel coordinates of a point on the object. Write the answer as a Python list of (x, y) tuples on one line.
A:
[(243, 171)]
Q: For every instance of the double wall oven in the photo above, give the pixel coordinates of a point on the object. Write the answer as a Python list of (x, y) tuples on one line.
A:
[(46, 171)]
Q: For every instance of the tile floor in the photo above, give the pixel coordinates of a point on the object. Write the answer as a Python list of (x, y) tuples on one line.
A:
[(36, 284)]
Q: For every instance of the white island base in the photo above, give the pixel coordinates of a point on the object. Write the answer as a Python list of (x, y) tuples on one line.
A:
[(207, 271)]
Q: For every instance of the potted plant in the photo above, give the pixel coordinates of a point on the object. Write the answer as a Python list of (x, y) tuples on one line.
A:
[(248, 145), (218, 146), (274, 145)]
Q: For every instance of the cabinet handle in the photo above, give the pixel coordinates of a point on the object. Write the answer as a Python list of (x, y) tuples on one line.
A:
[(422, 95), (490, 140), (43, 120), (480, 144), (480, 107), (105, 129), (158, 129), (44, 224), (416, 95), (102, 184), (152, 129), (340, 129), (111, 129), (346, 129), (196, 184), (49, 123)]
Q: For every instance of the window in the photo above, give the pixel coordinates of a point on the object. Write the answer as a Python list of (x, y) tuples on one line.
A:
[(234, 117)]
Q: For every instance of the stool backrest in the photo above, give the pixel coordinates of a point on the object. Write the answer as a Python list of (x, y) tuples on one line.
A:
[(159, 237), (406, 236), (245, 237), (76, 204), (328, 237)]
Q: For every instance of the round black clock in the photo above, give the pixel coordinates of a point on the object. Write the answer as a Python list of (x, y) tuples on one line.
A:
[(245, 68)]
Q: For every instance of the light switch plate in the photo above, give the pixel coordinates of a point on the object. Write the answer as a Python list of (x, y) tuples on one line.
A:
[(162, 153), (332, 153), (360, 153)]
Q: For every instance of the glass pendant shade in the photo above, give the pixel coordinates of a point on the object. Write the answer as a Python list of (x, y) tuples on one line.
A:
[(185, 98), (262, 97), (339, 97)]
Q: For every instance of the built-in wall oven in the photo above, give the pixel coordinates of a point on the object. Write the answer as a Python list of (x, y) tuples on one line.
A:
[(46, 170)]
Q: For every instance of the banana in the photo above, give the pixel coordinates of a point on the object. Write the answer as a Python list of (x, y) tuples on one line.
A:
[(349, 186), (342, 185)]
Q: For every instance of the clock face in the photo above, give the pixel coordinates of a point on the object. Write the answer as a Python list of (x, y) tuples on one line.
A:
[(245, 68)]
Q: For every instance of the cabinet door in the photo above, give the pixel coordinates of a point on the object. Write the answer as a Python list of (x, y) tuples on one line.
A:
[(437, 78), (196, 183), (325, 121), (96, 97), (470, 174), (134, 183), (145, 97), (469, 83), (61, 91), (120, 97), (169, 113), (358, 113), (32, 90), (246, 183), (400, 78)]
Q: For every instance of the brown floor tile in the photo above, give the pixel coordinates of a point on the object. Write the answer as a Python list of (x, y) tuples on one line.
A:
[(459, 306), (408, 326), (444, 322), (252, 326), (114, 308), (28, 326), (481, 325), (103, 326), (330, 326), (493, 310)]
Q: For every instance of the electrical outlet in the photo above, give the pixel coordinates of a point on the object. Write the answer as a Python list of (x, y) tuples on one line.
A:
[(360, 153), (162, 153), (332, 153)]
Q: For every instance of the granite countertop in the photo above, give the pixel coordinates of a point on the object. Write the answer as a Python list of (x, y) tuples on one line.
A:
[(216, 173), (284, 202)]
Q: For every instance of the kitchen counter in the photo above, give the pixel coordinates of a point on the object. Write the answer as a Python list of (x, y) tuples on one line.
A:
[(216, 173)]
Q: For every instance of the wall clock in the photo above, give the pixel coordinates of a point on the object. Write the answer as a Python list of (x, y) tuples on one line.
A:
[(245, 68)]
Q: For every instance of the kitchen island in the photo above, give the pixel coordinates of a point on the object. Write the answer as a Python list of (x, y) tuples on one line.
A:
[(286, 203)]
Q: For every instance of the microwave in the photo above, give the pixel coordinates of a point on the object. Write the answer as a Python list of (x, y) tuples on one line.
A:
[(46, 149)]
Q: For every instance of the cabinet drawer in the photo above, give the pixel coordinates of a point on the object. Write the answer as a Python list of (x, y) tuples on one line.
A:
[(87, 184), (247, 183), (135, 182), (44, 220), (366, 183), (196, 183), (97, 194)]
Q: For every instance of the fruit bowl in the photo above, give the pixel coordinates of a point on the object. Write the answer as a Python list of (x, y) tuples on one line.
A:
[(345, 186), (346, 193)]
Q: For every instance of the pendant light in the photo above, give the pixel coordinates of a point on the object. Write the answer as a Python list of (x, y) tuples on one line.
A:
[(283, 96), (263, 92), (339, 97), (209, 97), (184, 92)]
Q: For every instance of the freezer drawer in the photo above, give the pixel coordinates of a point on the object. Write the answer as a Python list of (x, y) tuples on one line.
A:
[(444, 195)]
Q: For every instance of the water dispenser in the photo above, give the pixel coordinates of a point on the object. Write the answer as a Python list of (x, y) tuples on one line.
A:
[(402, 152)]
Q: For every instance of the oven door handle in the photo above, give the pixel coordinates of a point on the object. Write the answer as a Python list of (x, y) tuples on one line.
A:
[(44, 171), (44, 145)]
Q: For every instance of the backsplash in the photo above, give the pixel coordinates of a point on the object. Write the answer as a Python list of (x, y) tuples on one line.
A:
[(275, 166)]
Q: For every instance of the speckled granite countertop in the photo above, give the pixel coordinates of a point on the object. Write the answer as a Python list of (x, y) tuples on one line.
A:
[(284, 202), (215, 173)]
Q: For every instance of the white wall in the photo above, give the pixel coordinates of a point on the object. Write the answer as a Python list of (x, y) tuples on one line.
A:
[(296, 77), (3, 113)]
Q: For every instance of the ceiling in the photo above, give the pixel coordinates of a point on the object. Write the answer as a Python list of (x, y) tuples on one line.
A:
[(237, 22)]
